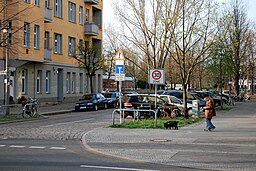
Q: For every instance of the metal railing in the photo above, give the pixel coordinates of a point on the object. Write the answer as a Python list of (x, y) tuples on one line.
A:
[(14, 108), (136, 114)]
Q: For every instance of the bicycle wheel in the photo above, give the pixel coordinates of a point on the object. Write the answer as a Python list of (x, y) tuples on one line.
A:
[(33, 111)]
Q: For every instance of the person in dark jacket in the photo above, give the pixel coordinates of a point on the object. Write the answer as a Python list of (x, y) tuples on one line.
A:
[(209, 113)]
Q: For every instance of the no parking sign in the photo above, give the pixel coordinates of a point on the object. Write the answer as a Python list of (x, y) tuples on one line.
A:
[(156, 76)]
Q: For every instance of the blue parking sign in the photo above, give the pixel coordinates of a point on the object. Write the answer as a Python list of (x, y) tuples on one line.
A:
[(119, 69)]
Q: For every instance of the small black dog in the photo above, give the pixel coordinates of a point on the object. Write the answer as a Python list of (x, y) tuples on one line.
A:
[(171, 124)]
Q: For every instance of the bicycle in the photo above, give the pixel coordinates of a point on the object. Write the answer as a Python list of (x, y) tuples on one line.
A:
[(30, 107), (231, 101)]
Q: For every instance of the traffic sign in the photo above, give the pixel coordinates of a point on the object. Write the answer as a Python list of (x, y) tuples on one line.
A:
[(120, 77), (119, 55), (156, 76), (119, 69)]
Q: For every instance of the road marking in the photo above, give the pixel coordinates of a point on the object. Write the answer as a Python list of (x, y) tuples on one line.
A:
[(2, 145), (17, 146), (57, 148), (5, 138), (36, 147), (114, 168), (65, 123)]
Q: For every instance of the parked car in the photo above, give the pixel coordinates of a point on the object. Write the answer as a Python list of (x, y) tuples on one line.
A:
[(177, 102), (147, 102), (190, 96), (112, 98), (92, 101), (217, 100)]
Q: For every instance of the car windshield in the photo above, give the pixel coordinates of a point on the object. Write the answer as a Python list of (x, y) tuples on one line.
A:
[(110, 95), (88, 97)]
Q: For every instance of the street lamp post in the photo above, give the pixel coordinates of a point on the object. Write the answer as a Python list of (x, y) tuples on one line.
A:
[(6, 80), (6, 28)]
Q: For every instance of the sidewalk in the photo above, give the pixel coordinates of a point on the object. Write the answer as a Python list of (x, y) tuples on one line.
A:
[(45, 109), (232, 146)]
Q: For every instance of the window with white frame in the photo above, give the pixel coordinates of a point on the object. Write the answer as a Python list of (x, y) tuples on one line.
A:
[(73, 83), (46, 40), (71, 46), (71, 12), (38, 81), (47, 82), (58, 8), (24, 81), (26, 35), (36, 36), (81, 83), (47, 4), (37, 2), (68, 83), (87, 15), (81, 15), (57, 43)]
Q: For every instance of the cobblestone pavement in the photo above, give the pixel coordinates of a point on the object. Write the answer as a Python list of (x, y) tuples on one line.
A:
[(62, 131)]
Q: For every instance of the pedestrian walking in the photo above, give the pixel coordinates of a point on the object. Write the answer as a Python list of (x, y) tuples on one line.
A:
[(209, 113)]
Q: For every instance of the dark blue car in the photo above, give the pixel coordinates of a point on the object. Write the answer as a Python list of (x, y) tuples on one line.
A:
[(92, 102)]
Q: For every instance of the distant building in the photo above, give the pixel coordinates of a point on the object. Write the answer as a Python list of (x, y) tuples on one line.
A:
[(44, 36), (111, 84)]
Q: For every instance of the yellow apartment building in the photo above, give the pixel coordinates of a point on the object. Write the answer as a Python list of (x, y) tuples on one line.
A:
[(38, 38)]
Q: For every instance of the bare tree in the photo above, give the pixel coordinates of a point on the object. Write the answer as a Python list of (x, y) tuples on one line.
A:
[(193, 34), (145, 28), (90, 61), (238, 29)]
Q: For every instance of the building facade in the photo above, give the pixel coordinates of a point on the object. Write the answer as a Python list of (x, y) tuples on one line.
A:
[(42, 37)]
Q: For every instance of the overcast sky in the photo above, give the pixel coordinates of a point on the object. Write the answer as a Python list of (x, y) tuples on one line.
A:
[(108, 11)]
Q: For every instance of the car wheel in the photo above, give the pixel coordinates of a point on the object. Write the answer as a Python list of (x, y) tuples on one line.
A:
[(175, 113), (95, 107), (217, 104), (190, 112), (105, 105)]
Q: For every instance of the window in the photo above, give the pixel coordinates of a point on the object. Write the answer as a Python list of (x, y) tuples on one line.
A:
[(73, 83), (38, 81), (26, 34), (47, 40), (47, 3), (58, 8), (71, 46), (81, 83), (57, 43), (68, 83), (81, 15), (24, 81), (27, 1), (37, 2), (36, 36), (87, 17), (81, 45), (71, 12), (47, 81)]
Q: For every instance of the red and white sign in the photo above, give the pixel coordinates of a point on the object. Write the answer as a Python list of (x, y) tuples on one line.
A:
[(156, 76)]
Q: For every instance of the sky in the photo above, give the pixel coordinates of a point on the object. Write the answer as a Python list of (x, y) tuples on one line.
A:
[(108, 11)]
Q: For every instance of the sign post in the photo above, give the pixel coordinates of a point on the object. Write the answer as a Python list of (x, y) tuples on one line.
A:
[(156, 77), (120, 76)]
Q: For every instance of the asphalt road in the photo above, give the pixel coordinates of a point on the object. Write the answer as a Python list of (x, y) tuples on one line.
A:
[(54, 143)]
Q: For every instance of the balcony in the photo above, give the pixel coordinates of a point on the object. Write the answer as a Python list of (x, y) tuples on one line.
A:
[(91, 29), (47, 15), (48, 54), (92, 1)]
